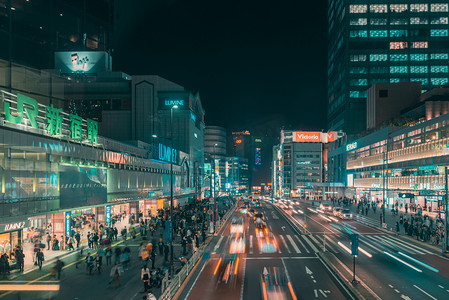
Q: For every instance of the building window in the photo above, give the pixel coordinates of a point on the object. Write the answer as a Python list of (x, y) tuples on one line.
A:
[(357, 57), (439, 81), (401, 21), (378, 21), (398, 8), (419, 69), (439, 20), (358, 21), (394, 80), (398, 69), (418, 57), (436, 56), (420, 45), (358, 82), (398, 45), (358, 9), (418, 20), (424, 81), (354, 94), (378, 33), (358, 33), (398, 57), (378, 70), (383, 93), (378, 8), (439, 32), (438, 69), (439, 7), (418, 7), (398, 33), (358, 70), (378, 57)]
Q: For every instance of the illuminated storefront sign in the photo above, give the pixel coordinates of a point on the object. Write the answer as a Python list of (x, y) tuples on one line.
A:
[(168, 154), (352, 146), (27, 111), (376, 185), (14, 226), (68, 223), (108, 215), (174, 102), (307, 137)]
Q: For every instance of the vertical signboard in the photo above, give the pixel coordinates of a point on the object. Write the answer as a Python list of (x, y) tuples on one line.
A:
[(108, 215), (354, 244), (68, 223), (168, 231)]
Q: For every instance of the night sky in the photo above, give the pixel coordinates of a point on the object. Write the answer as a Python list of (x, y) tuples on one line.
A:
[(249, 59)]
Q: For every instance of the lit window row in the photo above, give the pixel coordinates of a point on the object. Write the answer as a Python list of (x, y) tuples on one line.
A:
[(440, 20), (358, 33), (419, 69), (398, 57), (424, 81), (357, 94), (397, 21), (378, 33), (439, 56), (439, 32), (378, 57), (398, 69), (358, 70), (418, 57), (358, 21), (439, 81), (404, 45), (439, 69), (439, 7), (357, 57), (398, 8), (358, 82), (398, 33)]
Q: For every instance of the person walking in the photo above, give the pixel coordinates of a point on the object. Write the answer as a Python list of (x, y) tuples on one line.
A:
[(160, 245), (48, 241), (58, 266), (118, 253), (78, 239), (153, 258), (108, 254), (166, 252), (39, 258), (98, 262), (20, 257), (70, 242), (145, 277), (115, 275), (89, 263)]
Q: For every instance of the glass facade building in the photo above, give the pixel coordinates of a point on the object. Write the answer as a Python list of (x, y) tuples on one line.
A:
[(382, 41)]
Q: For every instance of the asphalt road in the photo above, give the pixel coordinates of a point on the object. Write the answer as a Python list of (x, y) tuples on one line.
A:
[(395, 270), (240, 276)]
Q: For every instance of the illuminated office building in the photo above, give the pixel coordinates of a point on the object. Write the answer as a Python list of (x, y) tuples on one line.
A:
[(382, 41)]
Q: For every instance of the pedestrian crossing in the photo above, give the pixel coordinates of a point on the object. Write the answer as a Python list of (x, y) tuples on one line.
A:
[(297, 245)]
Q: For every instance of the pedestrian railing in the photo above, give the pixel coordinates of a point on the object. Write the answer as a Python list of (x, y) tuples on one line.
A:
[(178, 279), (219, 224)]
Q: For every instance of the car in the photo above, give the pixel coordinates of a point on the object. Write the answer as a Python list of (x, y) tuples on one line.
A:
[(237, 244), (326, 207), (237, 226), (336, 211), (345, 214), (267, 243)]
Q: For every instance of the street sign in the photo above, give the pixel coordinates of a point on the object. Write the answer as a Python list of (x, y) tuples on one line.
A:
[(209, 211), (354, 244), (168, 231), (211, 201)]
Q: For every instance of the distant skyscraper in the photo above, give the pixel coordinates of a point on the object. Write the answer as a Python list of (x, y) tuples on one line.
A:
[(382, 41)]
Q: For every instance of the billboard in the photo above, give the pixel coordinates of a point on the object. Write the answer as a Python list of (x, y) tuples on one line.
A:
[(83, 62), (307, 137), (82, 186)]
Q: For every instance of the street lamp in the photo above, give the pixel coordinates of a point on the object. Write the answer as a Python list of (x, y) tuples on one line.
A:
[(213, 177), (171, 187)]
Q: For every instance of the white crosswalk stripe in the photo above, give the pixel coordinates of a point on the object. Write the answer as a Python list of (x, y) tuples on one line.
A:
[(330, 243), (310, 243), (285, 244), (251, 250), (293, 244), (410, 245), (302, 244), (370, 244)]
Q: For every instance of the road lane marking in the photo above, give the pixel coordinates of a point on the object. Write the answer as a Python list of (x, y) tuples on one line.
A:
[(251, 250), (196, 279), (310, 244), (314, 239), (302, 244), (397, 245), (322, 293), (411, 245), (316, 293), (293, 244), (217, 245), (329, 246), (243, 279), (370, 245), (277, 257), (429, 295), (285, 244)]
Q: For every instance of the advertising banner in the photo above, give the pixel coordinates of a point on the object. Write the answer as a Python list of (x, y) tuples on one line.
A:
[(83, 62), (108, 215), (307, 137), (68, 223), (82, 186)]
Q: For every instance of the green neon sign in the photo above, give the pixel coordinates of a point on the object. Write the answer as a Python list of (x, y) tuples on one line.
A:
[(24, 104), (54, 120)]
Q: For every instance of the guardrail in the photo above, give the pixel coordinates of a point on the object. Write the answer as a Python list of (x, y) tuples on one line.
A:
[(218, 225), (176, 282)]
